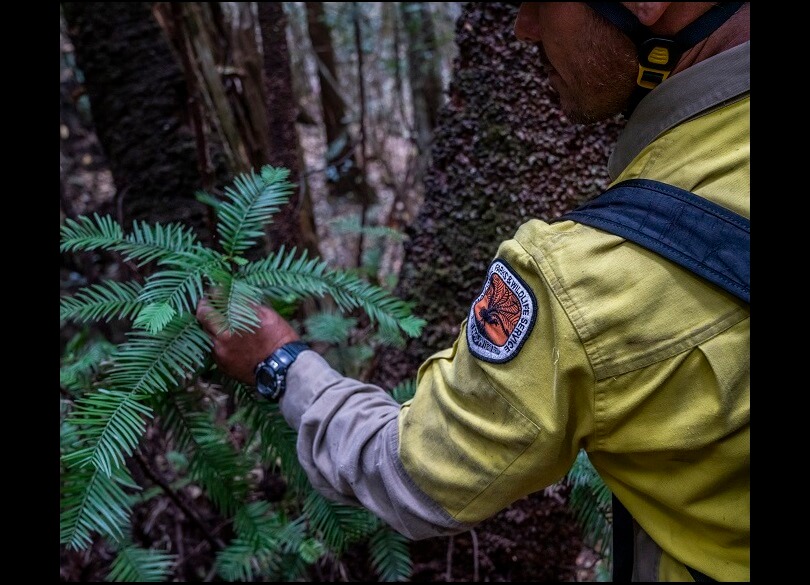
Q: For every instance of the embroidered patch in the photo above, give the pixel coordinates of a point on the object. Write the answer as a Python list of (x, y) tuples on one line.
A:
[(502, 316)]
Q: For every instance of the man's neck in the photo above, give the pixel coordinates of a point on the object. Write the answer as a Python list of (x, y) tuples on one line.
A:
[(735, 31)]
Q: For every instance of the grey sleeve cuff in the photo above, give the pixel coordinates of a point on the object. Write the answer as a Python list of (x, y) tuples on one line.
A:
[(348, 444)]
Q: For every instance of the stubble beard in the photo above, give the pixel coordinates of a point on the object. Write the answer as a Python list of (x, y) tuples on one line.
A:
[(605, 81)]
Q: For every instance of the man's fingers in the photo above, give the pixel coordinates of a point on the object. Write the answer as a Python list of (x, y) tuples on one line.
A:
[(207, 316)]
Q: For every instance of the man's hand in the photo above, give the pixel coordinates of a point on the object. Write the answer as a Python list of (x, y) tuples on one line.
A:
[(238, 354)]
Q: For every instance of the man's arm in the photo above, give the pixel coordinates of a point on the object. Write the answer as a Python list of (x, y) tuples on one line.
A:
[(347, 430)]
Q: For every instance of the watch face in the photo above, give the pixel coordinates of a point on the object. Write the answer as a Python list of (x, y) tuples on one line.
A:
[(266, 382)]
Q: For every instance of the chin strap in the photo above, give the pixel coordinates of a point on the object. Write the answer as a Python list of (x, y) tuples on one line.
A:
[(657, 55)]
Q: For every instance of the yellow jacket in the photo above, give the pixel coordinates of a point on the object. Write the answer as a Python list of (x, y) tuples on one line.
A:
[(578, 340)]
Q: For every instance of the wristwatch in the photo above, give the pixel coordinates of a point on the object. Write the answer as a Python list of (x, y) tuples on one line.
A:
[(271, 374)]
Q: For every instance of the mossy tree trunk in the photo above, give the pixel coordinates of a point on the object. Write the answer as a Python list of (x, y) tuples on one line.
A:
[(138, 101), (503, 153)]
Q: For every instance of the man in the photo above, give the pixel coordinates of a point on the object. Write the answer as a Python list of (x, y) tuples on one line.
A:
[(579, 338)]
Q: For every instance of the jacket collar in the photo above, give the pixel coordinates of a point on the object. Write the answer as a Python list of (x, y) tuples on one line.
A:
[(727, 76)]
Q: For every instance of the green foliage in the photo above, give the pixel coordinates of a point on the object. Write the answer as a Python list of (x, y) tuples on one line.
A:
[(134, 564), (390, 555), (591, 503), (82, 361), (404, 391), (376, 237), (161, 375)]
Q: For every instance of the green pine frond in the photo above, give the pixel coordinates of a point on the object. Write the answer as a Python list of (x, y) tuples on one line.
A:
[(351, 225), (283, 273), (81, 362), (236, 302), (102, 302), (591, 503), (146, 363), (404, 391), (390, 555), (145, 243), (134, 564), (350, 291), (154, 317), (330, 327), (93, 502), (169, 292), (254, 522), (286, 274), (83, 234), (390, 336), (338, 524), (277, 441), (206, 198), (258, 544), (148, 242), (250, 204), (213, 461), (237, 561), (110, 423)]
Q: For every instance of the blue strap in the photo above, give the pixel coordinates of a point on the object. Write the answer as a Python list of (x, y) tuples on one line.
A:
[(706, 238)]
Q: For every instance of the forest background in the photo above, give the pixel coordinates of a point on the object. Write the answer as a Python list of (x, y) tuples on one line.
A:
[(418, 136)]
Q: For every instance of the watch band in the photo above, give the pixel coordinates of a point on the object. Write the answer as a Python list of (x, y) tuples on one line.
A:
[(271, 373)]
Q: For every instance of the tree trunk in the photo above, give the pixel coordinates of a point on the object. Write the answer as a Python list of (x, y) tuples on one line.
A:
[(344, 176), (138, 99), (503, 153), (295, 224), (423, 71)]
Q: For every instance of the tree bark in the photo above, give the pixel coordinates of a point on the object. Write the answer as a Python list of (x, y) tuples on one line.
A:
[(138, 99), (344, 176), (423, 71), (503, 153), (295, 224)]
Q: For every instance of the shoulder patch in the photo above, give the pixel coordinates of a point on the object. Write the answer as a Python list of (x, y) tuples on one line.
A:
[(502, 316)]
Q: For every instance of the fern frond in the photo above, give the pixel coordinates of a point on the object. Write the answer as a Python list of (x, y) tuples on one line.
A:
[(148, 242), (237, 561), (390, 555), (281, 273), (93, 502), (154, 317), (351, 225), (81, 364), (255, 523), (329, 326), (213, 462), (350, 291), (102, 302), (591, 503), (277, 440), (258, 544), (404, 391), (134, 564), (250, 204), (84, 234), (207, 199), (145, 243), (169, 292), (110, 424), (235, 302), (339, 524), (146, 364), (286, 274)]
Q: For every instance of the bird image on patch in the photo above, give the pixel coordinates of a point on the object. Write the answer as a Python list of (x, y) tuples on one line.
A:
[(502, 316)]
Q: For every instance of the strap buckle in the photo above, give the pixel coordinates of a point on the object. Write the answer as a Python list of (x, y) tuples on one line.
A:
[(657, 58)]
